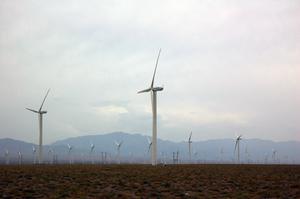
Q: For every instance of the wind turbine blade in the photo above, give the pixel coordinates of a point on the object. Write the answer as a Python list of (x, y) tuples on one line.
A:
[(144, 91), (155, 68), (190, 137), (32, 110), (235, 145), (149, 141), (44, 100)]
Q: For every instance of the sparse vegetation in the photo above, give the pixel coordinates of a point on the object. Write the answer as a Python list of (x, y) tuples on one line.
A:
[(136, 181)]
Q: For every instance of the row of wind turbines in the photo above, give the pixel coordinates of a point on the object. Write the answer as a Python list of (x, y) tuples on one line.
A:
[(91, 156), (152, 143)]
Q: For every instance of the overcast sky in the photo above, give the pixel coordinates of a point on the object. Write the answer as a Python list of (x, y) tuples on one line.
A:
[(227, 68)]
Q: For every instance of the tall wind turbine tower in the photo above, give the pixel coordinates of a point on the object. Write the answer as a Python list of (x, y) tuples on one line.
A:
[(237, 146), (190, 144), (153, 90), (40, 116)]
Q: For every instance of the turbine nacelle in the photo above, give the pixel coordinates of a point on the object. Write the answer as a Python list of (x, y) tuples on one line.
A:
[(155, 89)]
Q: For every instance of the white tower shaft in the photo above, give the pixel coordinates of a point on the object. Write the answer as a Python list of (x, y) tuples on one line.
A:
[(154, 129), (41, 138), (238, 146), (119, 161)]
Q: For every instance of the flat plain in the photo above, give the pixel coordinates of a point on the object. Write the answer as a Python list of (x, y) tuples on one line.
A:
[(145, 181)]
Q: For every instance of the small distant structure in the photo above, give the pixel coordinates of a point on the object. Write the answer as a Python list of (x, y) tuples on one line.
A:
[(176, 157), (190, 145), (70, 148), (237, 147), (92, 147), (20, 158), (6, 154), (118, 144), (34, 154)]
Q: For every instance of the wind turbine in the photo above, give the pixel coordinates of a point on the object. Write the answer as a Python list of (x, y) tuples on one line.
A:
[(6, 157), (190, 143), (274, 152), (91, 152), (118, 144), (20, 158), (40, 116), (153, 91), (221, 153), (51, 158), (34, 154), (69, 153), (237, 146)]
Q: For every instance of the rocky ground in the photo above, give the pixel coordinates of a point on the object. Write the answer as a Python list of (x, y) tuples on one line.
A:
[(145, 181)]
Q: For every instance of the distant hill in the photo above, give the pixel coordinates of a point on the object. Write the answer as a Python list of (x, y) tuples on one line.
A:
[(135, 148)]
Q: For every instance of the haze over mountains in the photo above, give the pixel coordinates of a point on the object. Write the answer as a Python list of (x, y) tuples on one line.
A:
[(135, 148)]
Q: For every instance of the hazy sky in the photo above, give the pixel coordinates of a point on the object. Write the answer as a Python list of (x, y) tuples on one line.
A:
[(226, 67)]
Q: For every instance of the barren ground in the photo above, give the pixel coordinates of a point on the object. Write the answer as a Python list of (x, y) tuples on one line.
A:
[(145, 181)]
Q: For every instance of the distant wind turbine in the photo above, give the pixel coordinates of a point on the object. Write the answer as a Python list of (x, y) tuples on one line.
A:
[(153, 91), (40, 116), (51, 155), (190, 143), (20, 157), (237, 146), (221, 153), (6, 157), (274, 152), (92, 147), (118, 144), (69, 153), (34, 154)]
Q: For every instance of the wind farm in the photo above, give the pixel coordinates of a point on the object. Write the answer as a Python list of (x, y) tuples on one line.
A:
[(170, 99), (100, 157)]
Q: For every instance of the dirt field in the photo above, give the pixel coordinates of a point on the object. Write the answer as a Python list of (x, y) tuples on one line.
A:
[(143, 181)]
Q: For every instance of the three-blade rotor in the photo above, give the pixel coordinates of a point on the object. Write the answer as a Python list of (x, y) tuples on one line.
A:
[(153, 77), (40, 109), (237, 141)]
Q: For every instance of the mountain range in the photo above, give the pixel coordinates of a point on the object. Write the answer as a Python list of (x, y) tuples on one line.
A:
[(135, 149)]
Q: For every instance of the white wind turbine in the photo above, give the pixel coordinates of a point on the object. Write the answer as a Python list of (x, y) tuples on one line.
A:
[(34, 154), (69, 153), (237, 146), (51, 155), (153, 91), (274, 152), (92, 147), (118, 144), (190, 144), (40, 116), (6, 157), (20, 157)]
